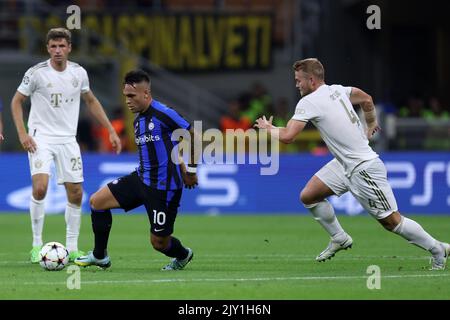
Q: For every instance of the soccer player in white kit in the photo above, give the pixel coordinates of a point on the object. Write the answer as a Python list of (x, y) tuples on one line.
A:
[(355, 167), (55, 87)]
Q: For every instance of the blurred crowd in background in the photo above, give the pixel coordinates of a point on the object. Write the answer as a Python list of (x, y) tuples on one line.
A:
[(404, 65)]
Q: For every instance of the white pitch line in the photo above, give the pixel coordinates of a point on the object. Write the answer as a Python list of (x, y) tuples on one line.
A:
[(218, 258), (243, 279)]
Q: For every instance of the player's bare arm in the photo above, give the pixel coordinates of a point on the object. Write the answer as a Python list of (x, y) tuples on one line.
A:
[(365, 101), (97, 111), (284, 134), (26, 141), (189, 172)]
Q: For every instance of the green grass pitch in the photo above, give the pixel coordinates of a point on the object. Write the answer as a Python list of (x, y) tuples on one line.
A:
[(236, 257)]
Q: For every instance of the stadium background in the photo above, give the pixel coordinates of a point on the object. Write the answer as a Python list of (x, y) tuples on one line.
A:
[(227, 62)]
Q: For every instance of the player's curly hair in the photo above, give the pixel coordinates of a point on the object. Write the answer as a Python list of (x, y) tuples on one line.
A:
[(59, 33), (312, 66)]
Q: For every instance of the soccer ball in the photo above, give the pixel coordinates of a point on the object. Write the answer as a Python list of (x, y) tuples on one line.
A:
[(54, 256)]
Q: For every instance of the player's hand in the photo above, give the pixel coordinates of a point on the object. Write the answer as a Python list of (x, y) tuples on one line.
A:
[(27, 143), (190, 180), (372, 130), (115, 142), (263, 123), (1, 137)]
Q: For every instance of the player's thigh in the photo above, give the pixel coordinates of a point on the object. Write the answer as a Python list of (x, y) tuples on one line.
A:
[(126, 191), (69, 165), (329, 180), (370, 186), (41, 160), (162, 208), (103, 199)]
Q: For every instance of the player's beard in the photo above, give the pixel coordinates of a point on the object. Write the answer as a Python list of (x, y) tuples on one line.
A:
[(305, 91)]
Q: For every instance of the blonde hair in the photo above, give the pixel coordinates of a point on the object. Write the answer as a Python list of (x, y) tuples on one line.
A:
[(311, 66), (58, 33)]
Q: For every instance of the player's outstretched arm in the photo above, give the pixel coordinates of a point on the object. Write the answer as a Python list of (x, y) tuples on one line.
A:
[(26, 141), (365, 101), (97, 111), (284, 134)]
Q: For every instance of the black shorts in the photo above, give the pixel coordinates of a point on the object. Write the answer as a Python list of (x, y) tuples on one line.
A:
[(161, 205)]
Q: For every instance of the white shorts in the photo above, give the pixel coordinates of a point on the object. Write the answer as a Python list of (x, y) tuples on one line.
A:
[(368, 184), (67, 159)]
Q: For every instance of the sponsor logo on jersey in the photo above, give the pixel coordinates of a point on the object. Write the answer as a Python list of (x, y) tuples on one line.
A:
[(26, 80), (146, 138)]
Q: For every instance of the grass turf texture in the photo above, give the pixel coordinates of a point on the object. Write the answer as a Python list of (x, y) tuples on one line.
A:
[(236, 257)]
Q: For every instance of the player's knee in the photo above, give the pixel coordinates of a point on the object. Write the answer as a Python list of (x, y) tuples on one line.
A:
[(94, 202), (39, 191), (389, 226), (76, 196), (391, 222), (306, 197)]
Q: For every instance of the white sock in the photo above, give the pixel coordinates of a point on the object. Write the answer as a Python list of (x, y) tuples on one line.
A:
[(415, 234), (73, 222), (37, 215), (323, 213)]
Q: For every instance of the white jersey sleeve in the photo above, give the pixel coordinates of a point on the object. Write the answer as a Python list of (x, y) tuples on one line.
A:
[(28, 84), (348, 91), (305, 111), (84, 81)]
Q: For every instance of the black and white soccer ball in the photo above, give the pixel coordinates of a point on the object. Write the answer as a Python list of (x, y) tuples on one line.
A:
[(53, 256)]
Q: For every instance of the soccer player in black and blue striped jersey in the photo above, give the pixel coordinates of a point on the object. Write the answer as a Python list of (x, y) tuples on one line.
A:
[(157, 183)]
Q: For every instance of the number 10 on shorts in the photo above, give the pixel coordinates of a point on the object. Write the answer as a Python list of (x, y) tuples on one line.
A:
[(159, 217)]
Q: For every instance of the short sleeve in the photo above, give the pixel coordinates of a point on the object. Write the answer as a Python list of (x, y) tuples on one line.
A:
[(84, 81), (348, 91), (28, 84), (177, 120), (305, 111)]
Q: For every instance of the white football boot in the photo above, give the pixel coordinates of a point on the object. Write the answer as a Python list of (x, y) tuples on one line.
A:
[(334, 247), (438, 262)]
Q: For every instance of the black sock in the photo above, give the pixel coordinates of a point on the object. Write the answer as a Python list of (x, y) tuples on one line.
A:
[(101, 225), (176, 250)]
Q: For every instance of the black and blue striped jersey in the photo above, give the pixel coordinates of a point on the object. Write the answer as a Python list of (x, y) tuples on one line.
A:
[(153, 131)]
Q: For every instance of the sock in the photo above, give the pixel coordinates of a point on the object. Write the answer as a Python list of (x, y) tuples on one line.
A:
[(323, 213), (176, 250), (101, 225), (37, 220), (73, 222), (415, 234)]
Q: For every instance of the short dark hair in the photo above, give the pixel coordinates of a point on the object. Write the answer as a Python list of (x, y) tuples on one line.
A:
[(59, 33), (137, 76)]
